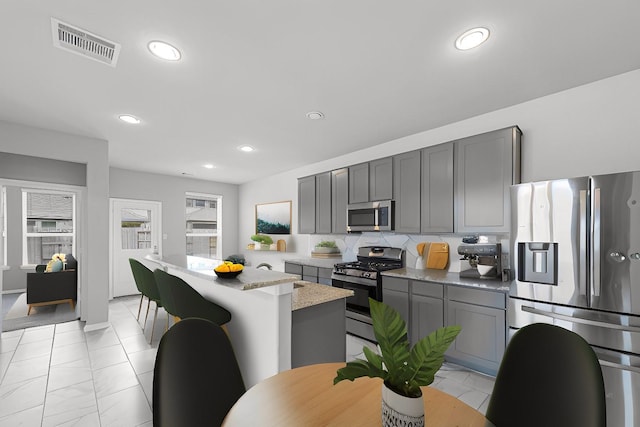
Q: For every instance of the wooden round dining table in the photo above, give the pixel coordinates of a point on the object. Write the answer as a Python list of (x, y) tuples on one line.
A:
[(306, 396)]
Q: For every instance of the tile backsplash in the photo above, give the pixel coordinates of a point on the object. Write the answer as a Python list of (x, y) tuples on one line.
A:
[(350, 243)]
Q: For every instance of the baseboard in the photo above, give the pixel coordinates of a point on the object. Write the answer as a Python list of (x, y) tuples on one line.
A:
[(96, 326), (14, 291)]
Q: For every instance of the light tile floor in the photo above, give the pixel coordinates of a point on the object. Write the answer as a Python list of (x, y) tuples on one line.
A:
[(60, 375)]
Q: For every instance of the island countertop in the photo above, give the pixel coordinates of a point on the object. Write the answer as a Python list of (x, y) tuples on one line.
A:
[(308, 294), (250, 278)]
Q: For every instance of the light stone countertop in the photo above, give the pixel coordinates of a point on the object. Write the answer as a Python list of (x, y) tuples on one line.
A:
[(446, 278), (250, 278), (316, 262), (307, 294)]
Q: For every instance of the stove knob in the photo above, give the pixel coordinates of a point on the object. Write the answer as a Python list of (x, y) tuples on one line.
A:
[(366, 274)]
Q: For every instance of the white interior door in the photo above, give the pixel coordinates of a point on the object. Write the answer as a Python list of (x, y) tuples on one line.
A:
[(136, 227)]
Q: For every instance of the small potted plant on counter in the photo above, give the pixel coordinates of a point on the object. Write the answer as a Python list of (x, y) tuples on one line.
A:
[(326, 247), (402, 369), (262, 242)]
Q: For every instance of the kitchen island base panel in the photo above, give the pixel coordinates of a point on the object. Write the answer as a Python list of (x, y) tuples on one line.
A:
[(318, 334)]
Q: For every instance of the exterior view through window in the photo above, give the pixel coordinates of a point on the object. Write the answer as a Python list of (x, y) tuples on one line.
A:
[(203, 224), (48, 220), (135, 226)]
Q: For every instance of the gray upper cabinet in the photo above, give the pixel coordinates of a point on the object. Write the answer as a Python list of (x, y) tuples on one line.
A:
[(339, 200), (487, 165), (307, 205), (406, 182), (437, 189), (381, 179), (371, 181), (359, 183), (323, 203)]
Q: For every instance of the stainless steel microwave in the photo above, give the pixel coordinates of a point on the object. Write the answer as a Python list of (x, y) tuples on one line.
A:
[(370, 216)]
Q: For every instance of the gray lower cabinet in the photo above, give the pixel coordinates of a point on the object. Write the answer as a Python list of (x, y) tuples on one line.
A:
[(427, 309), (406, 183), (428, 306), (309, 273), (487, 165), (481, 314), (307, 205), (339, 200), (323, 203), (292, 268), (437, 189), (395, 293)]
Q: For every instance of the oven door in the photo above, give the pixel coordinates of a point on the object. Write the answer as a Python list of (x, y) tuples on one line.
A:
[(362, 288)]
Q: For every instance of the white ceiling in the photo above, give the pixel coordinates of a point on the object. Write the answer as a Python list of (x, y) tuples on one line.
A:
[(251, 69)]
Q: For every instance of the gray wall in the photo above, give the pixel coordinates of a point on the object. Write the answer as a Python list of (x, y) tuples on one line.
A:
[(170, 190), (93, 238)]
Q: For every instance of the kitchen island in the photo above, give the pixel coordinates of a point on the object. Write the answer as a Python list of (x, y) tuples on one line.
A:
[(274, 315)]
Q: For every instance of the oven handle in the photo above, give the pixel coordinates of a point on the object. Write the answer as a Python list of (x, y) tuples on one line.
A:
[(626, 328), (355, 280), (618, 366)]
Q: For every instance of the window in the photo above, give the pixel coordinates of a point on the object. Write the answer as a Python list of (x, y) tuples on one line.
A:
[(203, 225), (135, 226), (48, 219)]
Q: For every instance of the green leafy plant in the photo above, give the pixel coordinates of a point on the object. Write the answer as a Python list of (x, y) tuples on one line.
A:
[(262, 238), (403, 370), (326, 244)]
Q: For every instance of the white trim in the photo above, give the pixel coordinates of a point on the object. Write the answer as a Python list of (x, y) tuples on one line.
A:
[(96, 326), (14, 291)]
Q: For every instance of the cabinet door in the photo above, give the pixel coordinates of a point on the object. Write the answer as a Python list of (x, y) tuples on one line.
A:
[(324, 276), (359, 183), (323, 203), (293, 268), (381, 179), (487, 165), (437, 189), (395, 293), (339, 200), (307, 205), (480, 344), (406, 181), (427, 315)]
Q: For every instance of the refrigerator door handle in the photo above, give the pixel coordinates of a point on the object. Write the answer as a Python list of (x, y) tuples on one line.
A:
[(616, 326), (595, 244)]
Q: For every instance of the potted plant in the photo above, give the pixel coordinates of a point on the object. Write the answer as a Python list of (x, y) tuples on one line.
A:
[(403, 369), (262, 241), (326, 247)]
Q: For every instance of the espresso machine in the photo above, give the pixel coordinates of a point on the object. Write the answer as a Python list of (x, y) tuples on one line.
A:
[(483, 259)]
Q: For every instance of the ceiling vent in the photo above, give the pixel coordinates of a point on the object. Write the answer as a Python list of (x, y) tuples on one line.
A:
[(81, 42)]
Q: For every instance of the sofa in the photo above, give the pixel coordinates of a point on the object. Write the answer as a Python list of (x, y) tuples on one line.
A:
[(54, 287)]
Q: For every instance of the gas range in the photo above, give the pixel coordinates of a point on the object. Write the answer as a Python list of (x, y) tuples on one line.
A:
[(371, 261), (364, 279)]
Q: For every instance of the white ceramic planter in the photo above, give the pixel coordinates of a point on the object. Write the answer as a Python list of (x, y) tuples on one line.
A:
[(398, 410)]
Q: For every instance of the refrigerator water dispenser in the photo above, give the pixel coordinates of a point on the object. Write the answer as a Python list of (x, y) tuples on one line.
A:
[(537, 262)]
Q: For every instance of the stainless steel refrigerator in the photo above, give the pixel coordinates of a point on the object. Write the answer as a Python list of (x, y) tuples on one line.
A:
[(576, 258)]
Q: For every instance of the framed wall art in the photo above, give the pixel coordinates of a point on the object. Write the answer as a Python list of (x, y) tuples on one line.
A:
[(273, 218)]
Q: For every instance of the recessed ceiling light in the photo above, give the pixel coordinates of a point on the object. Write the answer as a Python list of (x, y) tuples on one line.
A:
[(472, 38), (246, 148), (315, 115), (128, 118), (208, 166), (164, 50)]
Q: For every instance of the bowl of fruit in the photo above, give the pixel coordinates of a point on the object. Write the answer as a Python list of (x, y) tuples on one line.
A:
[(228, 270)]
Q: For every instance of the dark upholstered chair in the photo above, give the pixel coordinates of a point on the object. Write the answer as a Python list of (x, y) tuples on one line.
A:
[(188, 302), (53, 287), (196, 378), (551, 377), (141, 278), (164, 289)]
